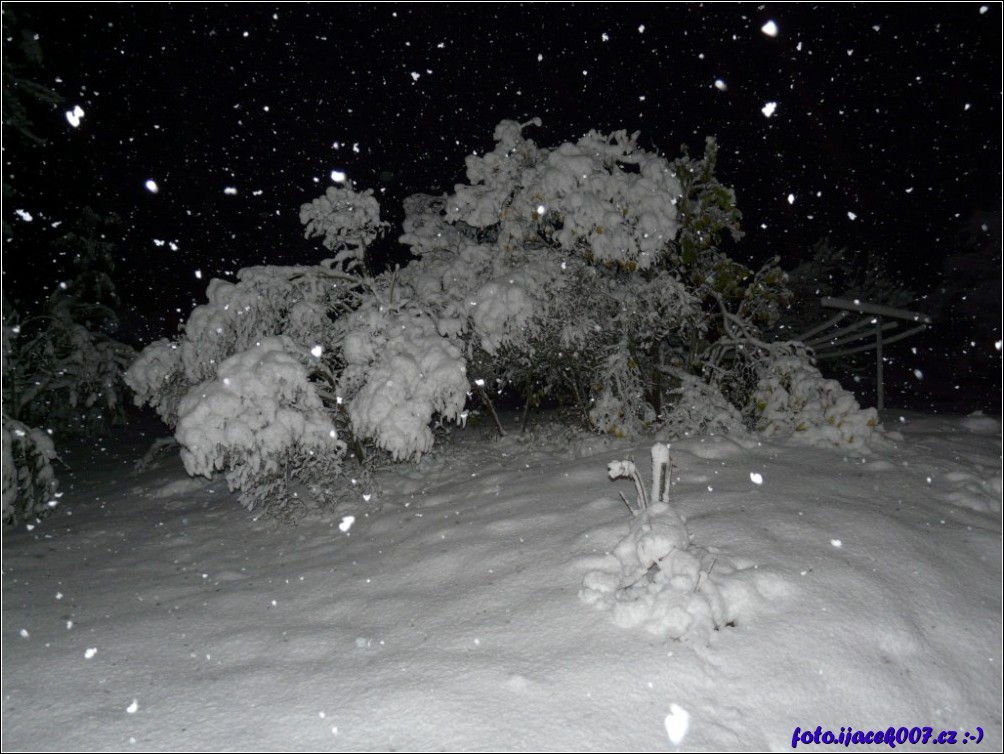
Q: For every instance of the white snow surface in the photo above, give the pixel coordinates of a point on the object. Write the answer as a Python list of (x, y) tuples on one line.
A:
[(153, 614)]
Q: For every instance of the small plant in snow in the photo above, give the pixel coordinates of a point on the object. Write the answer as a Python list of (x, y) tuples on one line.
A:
[(662, 480), (657, 578), (627, 470)]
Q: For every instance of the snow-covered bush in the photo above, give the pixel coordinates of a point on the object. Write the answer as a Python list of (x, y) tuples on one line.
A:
[(592, 273), (30, 487), (250, 384), (280, 372), (262, 423), (701, 409), (64, 368), (299, 302), (793, 397), (65, 376), (399, 372)]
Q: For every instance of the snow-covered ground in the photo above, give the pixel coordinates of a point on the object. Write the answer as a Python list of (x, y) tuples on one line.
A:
[(151, 612)]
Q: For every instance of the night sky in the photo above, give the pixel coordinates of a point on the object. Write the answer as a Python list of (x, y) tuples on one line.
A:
[(885, 133)]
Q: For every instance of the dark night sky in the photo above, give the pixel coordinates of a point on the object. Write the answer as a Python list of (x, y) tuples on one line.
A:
[(891, 113)]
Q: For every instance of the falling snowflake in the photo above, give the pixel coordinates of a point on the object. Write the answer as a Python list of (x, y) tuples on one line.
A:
[(768, 109), (73, 116), (769, 28)]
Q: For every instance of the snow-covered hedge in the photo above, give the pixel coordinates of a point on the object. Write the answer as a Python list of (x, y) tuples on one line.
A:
[(591, 273)]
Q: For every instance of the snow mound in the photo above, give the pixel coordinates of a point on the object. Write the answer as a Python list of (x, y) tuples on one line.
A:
[(662, 583), (715, 447), (179, 487), (978, 422)]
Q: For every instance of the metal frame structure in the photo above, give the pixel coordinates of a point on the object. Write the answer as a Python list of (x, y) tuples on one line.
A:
[(828, 343)]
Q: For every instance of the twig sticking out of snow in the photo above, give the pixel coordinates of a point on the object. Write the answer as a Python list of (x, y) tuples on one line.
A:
[(697, 583), (626, 503)]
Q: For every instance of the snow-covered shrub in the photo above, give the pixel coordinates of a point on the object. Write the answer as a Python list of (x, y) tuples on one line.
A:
[(793, 397), (157, 378), (65, 376), (701, 409), (514, 261), (399, 373), (65, 368), (249, 384), (279, 372), (592, 273), (263, 424), (30, 487), (300, 302)]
